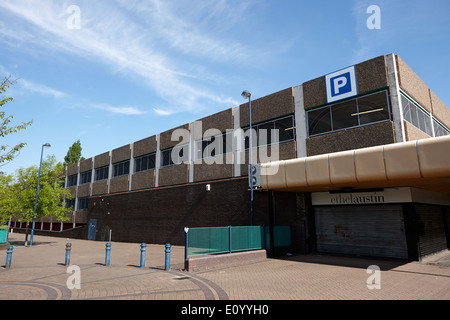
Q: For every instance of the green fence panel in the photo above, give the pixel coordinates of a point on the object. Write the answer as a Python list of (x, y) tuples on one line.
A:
[(247, 238), (208, 241), (3, 235), (215, 240)]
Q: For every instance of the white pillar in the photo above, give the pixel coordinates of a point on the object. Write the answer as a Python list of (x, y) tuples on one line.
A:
[(301, 128), (396, 105)]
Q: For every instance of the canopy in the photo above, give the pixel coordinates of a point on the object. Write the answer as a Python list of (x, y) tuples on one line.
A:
[(422, 163)]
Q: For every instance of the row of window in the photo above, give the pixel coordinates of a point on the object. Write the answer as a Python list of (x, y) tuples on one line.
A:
[(421, 119), (83, 203), (356, 112), (370, 109), (270, 132), (207, 147)]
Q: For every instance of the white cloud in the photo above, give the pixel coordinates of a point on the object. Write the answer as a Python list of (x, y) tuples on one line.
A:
[(115, 36), (40, 88), (125, 110), (161, 112), (30, 86)]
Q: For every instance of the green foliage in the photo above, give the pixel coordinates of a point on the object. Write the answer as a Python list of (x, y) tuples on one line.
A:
[(18, 193), (74, 154), (8, 153)]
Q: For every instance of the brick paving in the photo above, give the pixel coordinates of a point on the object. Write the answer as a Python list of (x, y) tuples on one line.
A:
[(39, 273)]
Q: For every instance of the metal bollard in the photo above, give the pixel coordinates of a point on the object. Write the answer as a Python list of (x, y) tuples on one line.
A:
[(167, 266), (9, 252), (143, 249), (186, 248), (68, 249), (108, 254)]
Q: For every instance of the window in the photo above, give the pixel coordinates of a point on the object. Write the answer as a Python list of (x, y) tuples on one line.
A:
[(85, 177), (319, 121), (416, 115), (264, 132), (214, 145), (83, 203), (121, 168), (344, 115), (368, 109), (175, 155), (145, 163), (72, 180), (166, 157), (373, 108), (70, 204), (285, 128), (101, 173), (439, 129)]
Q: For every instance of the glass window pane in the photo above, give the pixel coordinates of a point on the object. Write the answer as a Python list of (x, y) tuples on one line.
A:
[(319, 121), (421, 117), (285, 128), (166, 157), (264, 133), (406, 109), (144, 163), (373, 108), (247, 138), (414, 116), (344, 115), (428, 128), (151, 161)]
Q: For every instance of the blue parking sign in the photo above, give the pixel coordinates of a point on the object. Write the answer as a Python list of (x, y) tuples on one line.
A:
[(341, 84)]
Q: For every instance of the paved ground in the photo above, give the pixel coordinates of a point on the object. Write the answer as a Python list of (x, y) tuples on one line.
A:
[(39, 273)]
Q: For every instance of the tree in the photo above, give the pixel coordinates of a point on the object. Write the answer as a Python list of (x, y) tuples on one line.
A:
[(8, 153), (51, 194), (8, 197), (74, 154)]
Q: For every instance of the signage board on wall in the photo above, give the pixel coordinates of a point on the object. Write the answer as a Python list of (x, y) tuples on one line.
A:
[(388, 195), (341, 84)]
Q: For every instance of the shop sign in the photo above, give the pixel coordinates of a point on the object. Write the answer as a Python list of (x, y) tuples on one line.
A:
[(395, 195)]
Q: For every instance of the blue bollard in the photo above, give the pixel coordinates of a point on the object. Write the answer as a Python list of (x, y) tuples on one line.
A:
[(167, 266), (143, 249), (9, 252), (68, 248), (108, 254)]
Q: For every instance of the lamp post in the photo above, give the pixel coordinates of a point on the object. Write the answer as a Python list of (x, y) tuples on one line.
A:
[(246, 94), (37, 192)]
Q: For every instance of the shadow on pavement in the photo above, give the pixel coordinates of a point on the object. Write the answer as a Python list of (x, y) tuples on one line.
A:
[(346, 261)]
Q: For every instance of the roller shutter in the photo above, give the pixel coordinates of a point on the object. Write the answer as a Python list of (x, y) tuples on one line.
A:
[(432, 237), (375, 230)]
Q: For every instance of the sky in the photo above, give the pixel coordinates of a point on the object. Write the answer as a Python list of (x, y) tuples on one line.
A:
[(112, 72)]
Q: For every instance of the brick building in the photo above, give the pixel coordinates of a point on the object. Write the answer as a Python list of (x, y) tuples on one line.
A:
[(366, 113)]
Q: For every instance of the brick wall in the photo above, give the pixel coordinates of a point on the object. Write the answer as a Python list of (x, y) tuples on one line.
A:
[(159, 215)]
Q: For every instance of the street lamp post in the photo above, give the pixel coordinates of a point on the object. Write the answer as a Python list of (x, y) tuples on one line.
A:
[(246, 94), (37, 192)]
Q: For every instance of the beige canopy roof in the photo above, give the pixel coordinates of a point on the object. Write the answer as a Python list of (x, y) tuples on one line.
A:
[(423, 164)]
